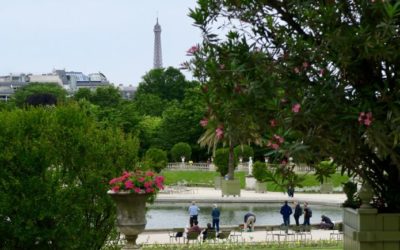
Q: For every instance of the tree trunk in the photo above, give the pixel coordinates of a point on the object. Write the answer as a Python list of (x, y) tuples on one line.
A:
[(231, 164)]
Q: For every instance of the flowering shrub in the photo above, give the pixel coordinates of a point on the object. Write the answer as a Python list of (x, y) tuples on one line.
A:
[(140, 182)]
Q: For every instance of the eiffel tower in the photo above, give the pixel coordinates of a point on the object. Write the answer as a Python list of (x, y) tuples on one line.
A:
[(157, 62)]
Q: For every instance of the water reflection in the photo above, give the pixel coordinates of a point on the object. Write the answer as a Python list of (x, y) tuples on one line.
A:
[(176, 215)]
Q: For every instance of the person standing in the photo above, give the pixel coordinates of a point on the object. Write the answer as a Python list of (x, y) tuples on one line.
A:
[(286, 211), (249, 221), (307, 214), (193, 213), (298, 211), (215, 213)]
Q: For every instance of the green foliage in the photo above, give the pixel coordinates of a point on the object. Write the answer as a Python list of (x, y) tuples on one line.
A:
[(221, 160), (22, 94), (260, 171), (156, 159), (149, 127), (168, 84), (106, 97), (350, 189), (324, 170), (83, 93), (150, 104), (181, 149), (244, 151), (323, 76), (56, 164)]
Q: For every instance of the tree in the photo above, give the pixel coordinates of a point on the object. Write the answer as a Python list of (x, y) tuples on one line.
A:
[(168, 84), (156, 159), (329, 76), (40, 92), (56, 164), (244, 152), (150, 104), (181, 149), (106, 96)]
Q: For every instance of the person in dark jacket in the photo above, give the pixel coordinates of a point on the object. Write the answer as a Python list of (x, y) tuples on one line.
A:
[(326, 222), (286, 211), (307, 214), (215, 213), (208, 230), (298, 211)]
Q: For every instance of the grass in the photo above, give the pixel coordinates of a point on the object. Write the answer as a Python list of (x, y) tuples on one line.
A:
[(315, 245), (206, 179)]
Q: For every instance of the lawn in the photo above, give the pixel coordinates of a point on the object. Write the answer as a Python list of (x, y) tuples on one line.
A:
[(206, 179)]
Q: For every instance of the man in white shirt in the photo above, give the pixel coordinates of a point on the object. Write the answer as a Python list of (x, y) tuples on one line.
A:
[(193, 213)]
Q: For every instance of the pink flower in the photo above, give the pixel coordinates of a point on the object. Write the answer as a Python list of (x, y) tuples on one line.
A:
[(129, 184), (148, 184), (220, 133), (149, 190), (365, 118), (115, 188), (321, 72), (305, 65), (140, 179), (138, 190), (113, 181), (204, 122), (274, 146), (296, 108), (192, 50), (284, 162), (296, 70), (149, 173), (279, 139), (273, 123)]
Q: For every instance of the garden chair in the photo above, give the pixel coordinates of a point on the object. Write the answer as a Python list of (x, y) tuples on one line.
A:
[(224, 236), (192, 236), (177, 234), (269, 231), (304, 233), (237, 233), (337, 232), (211, 235)]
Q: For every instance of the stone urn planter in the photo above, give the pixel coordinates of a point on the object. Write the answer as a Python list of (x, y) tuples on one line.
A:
[(366, 229), (131, 215), (230, 187), (261, 187)]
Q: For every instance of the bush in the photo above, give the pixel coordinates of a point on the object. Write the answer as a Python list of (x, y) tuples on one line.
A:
[(55, 165), (260, 171), (221, 160), (181, 149), (156, 159), (244, 151)]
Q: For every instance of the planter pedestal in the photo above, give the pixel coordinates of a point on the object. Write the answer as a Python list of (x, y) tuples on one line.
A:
[(366, 229), (217, 182), (250, 183), (230, 187), (131, 216), (326, 188)]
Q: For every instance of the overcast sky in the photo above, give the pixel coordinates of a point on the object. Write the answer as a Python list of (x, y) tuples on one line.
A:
[(112, 36)]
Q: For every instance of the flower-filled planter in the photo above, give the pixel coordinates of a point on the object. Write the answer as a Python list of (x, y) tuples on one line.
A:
[(130, 193)]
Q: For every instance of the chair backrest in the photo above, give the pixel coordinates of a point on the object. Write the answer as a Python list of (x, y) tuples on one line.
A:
[(179, 231), (192, 235), (224, 235), (211, 234)]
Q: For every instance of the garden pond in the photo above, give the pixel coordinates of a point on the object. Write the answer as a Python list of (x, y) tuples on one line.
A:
[(161, 215)]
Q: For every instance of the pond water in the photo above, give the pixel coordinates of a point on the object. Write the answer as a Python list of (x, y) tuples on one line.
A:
[(176, 215)]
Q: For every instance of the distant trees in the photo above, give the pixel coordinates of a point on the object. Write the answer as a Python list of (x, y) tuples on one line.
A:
[(36, 93)]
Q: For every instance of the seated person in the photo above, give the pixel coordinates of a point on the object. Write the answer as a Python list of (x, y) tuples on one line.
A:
[(249, 220), (326, 222), (206, 231), (195, 227)]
